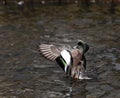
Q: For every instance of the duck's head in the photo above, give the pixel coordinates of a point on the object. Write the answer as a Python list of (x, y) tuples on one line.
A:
[(82, 46)]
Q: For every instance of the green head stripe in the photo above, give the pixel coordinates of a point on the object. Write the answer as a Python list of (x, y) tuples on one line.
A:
[(64, 63)]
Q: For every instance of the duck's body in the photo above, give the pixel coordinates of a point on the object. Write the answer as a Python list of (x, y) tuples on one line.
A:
[(71, 60)]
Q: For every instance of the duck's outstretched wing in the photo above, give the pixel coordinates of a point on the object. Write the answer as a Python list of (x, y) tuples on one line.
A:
[(51, 52)]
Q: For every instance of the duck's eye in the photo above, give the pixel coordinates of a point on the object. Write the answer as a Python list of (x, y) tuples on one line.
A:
[(79, 43)]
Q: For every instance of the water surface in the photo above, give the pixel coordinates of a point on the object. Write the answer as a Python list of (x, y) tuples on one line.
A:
[(24, 73)]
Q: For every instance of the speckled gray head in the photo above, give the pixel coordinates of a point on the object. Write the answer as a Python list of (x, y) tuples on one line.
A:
[(82, 46)]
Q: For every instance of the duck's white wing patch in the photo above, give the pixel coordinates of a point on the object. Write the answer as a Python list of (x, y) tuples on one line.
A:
[(67, 57), (51, 52)]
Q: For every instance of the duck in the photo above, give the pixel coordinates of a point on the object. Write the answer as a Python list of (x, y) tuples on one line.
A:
[(71, 59)]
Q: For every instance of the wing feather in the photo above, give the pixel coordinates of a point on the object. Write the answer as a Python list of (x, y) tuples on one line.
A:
[(51, 52)]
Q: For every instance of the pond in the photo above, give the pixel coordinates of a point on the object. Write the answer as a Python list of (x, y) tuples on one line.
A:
[(24, 73)]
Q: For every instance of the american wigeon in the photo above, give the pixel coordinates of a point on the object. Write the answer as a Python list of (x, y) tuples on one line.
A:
[(71, 60)]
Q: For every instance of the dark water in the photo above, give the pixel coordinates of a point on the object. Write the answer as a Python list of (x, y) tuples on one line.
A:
[(24, 73)]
